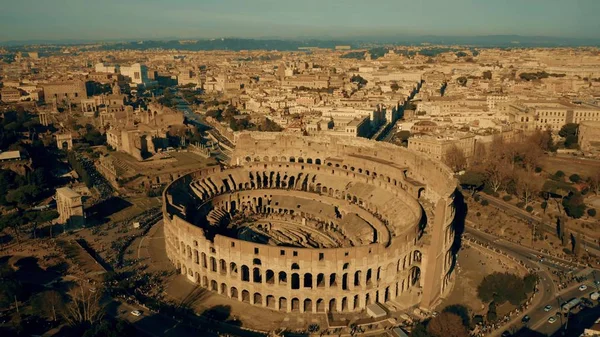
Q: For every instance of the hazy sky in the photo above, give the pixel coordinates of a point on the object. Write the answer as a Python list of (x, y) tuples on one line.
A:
[(110, 19)]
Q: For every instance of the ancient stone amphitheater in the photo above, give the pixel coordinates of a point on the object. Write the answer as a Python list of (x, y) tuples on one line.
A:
[(315, 224)]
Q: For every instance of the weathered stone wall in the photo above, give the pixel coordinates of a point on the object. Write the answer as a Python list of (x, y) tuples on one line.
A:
[(328, 279)]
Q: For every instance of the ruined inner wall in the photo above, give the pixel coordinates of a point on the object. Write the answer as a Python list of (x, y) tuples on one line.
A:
[(347, 278)]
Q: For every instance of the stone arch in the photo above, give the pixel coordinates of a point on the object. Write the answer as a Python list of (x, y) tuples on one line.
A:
[(282, 277), (248, 159), (270, 277), (256, 275), (256, 262), (357, 278), (320, 305), (332, 305), (421, 192), (318, 161), (308, 305), (309, 160), (320, 280), (332, 280), (292, 159), (223, 290), (204, 263), (214, 286), (356, 302), (295, 266), (213, 264), (257, 298), (415, 275), (283, 304), (295, 281), (233, 268), (308, 280), (295, 304), (417, 256), (234, 293), (344, 304), (245, 273), (271, 302), (223, 266), (245, 296), (345, 281)]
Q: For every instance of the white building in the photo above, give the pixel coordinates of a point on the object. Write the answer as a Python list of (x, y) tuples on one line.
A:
[(138, 73), (105, 68)]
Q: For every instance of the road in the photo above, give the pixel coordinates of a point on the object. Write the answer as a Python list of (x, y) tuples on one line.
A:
[(548, 290)]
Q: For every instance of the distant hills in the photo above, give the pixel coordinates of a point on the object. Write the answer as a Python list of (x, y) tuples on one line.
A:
[(236, 44)]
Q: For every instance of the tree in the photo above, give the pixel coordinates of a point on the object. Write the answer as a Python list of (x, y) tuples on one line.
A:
[(447, 324), (574, 205), (502, 287), (472, 180), (591, 212), (455, 158), (10, 288), (575, 178), (569, 132), (420, 330), (491, 315), (49, 304), (527, 185), (461, 311), (84, 308)]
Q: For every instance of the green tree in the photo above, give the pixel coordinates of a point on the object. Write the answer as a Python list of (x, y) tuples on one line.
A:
[(461, 311), (472, 180), (574, 205), (502, 287), (575, 178), (420, 330), (447, 324), (10, 288), (569, 132)]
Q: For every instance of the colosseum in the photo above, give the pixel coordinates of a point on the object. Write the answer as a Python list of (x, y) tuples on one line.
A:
[(315, 224)]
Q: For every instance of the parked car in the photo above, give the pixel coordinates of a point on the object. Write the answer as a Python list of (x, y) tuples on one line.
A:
[(547, 308), (136, 313), (552, 319), (525, 319), (582, 287)]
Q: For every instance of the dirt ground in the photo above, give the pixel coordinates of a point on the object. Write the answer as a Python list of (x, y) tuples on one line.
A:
[(474, 263)]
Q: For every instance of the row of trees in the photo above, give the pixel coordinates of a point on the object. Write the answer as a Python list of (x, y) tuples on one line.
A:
[(515, 168)]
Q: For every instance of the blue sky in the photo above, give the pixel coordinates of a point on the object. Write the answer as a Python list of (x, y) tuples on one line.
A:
[(108, 19)]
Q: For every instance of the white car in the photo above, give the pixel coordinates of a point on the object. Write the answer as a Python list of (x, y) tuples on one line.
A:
[(551, 319), (582, 287), (547, 308), (136, 313)]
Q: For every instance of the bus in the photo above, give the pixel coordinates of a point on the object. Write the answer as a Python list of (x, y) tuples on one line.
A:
[(572, 303)]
